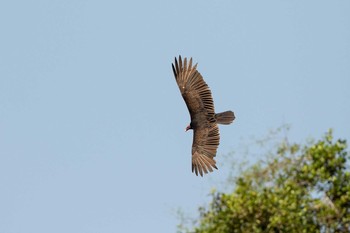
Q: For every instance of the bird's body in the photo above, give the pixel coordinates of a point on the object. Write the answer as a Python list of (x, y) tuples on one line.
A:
[(204, 121)]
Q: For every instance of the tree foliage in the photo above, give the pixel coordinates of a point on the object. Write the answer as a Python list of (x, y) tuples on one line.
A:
[(302, 188)]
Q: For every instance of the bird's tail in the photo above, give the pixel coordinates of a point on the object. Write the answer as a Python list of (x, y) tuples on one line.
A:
[(225, 118)]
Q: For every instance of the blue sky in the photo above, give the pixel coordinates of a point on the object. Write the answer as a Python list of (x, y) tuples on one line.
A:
[(92, 122)]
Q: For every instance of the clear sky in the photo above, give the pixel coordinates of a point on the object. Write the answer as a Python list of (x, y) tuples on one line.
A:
[(92, 122)]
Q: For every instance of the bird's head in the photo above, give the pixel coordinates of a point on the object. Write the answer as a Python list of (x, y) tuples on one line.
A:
[(188, 127)]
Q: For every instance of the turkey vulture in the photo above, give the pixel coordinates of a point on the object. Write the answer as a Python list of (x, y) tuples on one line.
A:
[(204, 120)]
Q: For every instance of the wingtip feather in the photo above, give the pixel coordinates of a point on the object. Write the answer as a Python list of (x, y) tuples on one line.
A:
[(202, 164)]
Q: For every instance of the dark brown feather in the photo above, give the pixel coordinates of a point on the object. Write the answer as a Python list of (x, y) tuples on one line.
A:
[(199, 101)]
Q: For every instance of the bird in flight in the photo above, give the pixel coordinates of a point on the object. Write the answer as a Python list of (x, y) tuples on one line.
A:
[(204, 120)]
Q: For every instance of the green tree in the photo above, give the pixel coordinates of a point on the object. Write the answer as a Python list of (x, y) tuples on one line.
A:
[(302, 188)]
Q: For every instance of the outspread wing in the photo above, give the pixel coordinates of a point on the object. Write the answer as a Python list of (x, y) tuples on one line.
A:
[(205, 143), (193, 88), (199, 101)]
